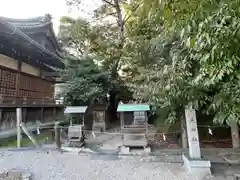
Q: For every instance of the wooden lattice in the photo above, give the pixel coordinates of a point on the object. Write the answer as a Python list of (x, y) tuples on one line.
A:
[(31, 87)]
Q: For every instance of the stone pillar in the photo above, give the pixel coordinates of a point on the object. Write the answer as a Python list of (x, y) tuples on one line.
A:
[(192, 131), (193, 162)]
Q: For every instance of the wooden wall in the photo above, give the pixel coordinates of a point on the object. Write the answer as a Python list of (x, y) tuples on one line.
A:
[(30, 116), (23, 83), (35, 87)]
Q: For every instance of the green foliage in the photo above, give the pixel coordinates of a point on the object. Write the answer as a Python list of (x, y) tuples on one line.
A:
[(90, 79), (86, 83), (74, 35), (192, 57), (171, 54)]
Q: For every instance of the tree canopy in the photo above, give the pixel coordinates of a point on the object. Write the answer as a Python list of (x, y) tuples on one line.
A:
[(170, 54)]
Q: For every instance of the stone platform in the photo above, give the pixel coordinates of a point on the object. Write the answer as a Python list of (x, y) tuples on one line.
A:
[(198, 166), (128, 150)]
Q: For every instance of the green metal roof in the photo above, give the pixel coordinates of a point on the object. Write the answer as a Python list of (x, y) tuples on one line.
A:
[(133, 107), (75, 109)]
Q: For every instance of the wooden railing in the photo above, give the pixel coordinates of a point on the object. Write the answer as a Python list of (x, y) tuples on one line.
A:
[(13, 100)]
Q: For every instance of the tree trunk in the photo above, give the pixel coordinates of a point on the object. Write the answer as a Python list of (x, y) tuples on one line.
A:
[(235, 135), (184, 133), (112, 109)]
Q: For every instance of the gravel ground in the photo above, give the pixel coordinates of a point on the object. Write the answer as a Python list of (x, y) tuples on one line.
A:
[(56, 166)]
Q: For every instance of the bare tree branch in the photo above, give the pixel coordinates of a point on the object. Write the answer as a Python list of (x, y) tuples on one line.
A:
[(126, 19), (108, 2)]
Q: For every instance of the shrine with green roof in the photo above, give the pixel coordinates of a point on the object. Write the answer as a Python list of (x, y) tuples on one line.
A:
[(134, 125)]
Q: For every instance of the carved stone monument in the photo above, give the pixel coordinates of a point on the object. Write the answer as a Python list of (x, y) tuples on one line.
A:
[(193, 161)]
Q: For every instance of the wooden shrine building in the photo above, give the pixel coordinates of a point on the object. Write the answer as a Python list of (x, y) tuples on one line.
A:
[(29, 60)]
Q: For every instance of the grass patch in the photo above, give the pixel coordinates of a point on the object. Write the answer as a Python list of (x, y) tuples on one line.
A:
[(45, 137)]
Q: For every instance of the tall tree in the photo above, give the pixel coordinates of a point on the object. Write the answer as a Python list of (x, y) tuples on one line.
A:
[(200, 66), (86, 82), (106, 44)]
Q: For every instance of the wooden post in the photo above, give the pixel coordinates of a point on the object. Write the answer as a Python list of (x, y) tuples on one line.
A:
[(184, 134), (19, 121), (146, 123), (122, 122), (58, 135), (17, 85), (104, 122), (29, 134), (42, 115), (235, 135), (54, 113), (24, 115), (1, 112)]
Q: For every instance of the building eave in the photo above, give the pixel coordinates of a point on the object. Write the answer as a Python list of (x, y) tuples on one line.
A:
[(36, 23), (18, 32)]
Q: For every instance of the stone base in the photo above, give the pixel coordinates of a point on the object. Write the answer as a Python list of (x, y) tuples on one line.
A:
[(147, 150), (124, 150), (198, 166), (237, 176)]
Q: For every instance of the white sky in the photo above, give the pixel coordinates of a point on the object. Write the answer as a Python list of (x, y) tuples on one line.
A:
[(33, 8)]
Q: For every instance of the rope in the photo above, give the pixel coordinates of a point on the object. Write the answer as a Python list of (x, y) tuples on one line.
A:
[(213, 126), (113, 133)]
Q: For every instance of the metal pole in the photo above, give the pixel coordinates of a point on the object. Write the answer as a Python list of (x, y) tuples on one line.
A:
[(19, 121)]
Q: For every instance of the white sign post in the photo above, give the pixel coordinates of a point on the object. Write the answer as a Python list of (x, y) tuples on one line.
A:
[(19, 121), (194, 162), (192, 131)]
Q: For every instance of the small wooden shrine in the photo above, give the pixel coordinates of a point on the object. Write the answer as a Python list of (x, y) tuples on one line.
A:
[(134, 131), (100, 119), (76, 127)]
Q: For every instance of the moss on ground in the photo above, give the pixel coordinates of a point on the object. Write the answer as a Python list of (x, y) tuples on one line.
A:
[(25, 141)]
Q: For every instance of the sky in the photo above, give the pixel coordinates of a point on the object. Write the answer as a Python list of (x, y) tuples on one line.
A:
[(57, 8)]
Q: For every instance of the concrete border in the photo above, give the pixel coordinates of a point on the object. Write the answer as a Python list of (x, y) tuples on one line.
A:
[(162, 156), (23, 175), (197, 165)]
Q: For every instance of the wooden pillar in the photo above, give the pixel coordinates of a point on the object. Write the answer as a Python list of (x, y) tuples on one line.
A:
[(24, 115), (58, 135), (105, 122), (122, 122), (19, 121), (42, 115), (184, 133), (1, 112), (54, 113), (146, 122), (235, 135), (17, 86)]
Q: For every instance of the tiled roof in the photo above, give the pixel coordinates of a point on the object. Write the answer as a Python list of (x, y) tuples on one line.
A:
[(33, 26), (37, 31)]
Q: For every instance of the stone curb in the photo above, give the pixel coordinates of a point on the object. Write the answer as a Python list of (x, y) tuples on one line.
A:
[(17, 173), (116, 153)]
